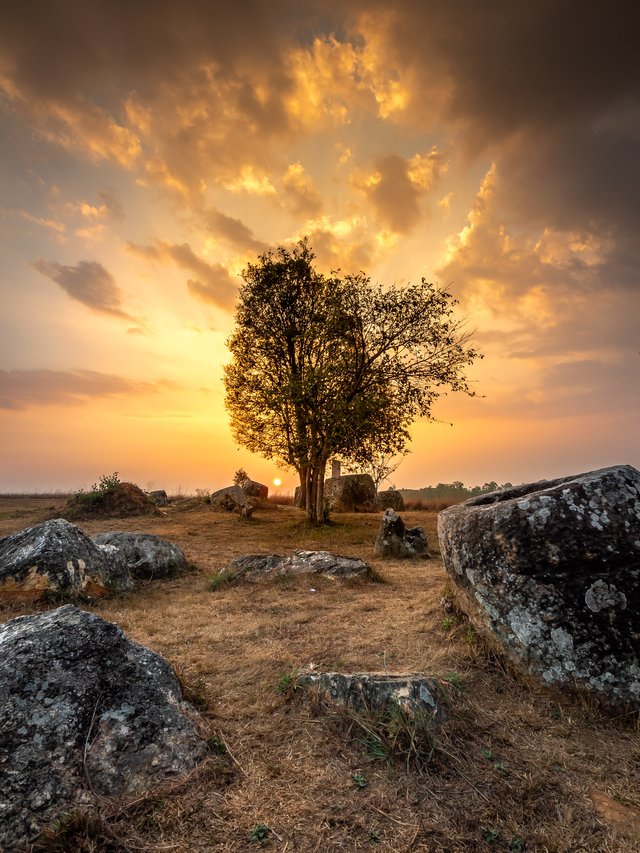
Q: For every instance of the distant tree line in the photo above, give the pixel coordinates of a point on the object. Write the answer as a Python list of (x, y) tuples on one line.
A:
[(456, 491)]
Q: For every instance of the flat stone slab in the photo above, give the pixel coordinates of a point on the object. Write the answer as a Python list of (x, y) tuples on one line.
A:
[(380, 693), (146, 556), (83, 712), (56, 559), (552, 571), (300, 562)]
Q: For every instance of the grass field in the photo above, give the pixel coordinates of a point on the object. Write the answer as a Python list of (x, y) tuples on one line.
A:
[(514, 769)]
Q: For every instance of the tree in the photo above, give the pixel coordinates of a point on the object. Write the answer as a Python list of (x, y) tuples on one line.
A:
[(335, 366), (379, 465)]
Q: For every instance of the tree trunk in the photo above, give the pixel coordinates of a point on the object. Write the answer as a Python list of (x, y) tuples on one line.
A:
[(320, 519), (302, 474), (312, 484)]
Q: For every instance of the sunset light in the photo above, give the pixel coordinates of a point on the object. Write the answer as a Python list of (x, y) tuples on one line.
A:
[(148, 155)]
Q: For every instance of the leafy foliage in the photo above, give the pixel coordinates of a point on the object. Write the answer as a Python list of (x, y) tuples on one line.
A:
[(329, 366)]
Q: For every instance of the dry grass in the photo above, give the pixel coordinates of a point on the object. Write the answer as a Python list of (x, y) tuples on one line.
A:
[(514, 769)]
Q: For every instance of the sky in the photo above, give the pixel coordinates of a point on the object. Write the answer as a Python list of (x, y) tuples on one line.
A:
[(148, 151)]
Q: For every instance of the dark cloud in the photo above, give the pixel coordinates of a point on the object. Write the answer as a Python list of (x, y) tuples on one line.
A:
[(88, 282), (233, 231), (214, 283), (22, 389)]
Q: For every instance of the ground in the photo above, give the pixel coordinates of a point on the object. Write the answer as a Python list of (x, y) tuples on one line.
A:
[(515, 768)]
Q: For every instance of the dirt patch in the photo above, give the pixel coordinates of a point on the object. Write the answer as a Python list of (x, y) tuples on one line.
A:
[(511, 769)]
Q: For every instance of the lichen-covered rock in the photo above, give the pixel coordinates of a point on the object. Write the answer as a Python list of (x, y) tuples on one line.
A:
[(300, 562), (352, 493), (390, 499), (379, 693), (552, 570), (146, 556), (83, 712), (56, 559), (395, 540), (159, 497)]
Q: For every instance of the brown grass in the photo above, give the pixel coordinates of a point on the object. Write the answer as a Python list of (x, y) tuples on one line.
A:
[(514, 769)]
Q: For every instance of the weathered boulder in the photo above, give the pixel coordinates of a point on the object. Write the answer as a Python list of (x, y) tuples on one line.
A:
[(255, 490), (352, 493), (83, 712), (300, 562), (552, 570), (390, 499), (395, 540), (145, 555), (56, 559), (379, 693), (231, 499), (159, 497)]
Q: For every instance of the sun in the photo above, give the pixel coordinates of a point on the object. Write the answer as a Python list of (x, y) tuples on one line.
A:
[(277, 481)]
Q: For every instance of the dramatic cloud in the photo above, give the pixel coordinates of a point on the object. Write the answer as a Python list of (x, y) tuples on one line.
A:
[(22, 389), (300, 194), (397, 184), (88, 282), (214, 283)]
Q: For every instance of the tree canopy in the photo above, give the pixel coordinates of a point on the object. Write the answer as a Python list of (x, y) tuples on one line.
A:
[(335, 366)]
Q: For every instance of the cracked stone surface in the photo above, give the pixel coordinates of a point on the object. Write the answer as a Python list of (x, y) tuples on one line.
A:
[(552, 570), (300, 562), (56, 559), (378, 693), (396, 540), (83, 711)]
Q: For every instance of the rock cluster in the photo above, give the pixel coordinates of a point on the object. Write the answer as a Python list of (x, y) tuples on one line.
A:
[(57, 559), (552, 571), (300, 562), (395, 540), (83, 712)]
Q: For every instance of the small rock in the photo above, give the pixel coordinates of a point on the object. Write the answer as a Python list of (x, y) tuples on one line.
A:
[(146, 556), (159, 497), (300, 562), (229, 499), (378, 693), (395, 540)]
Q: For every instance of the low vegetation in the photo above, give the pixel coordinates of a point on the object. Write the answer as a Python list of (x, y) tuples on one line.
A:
[(514, 768)]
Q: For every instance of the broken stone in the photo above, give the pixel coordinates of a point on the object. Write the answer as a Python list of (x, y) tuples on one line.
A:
[(395, 540), (552, 571), (300, 562), (58, 560), (84, 712), (351, 493), (379, 693), (145, 555)]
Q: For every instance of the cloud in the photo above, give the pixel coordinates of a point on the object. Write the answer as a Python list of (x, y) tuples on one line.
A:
[(22, 389), (397, 185), (300, 194), (234, 231), (214, 283), (87, 282)]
